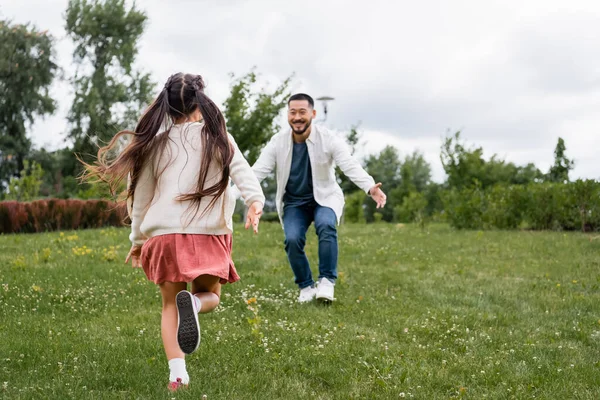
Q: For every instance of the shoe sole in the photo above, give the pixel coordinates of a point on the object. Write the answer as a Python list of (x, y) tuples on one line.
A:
[(188, 327), (324, 299)]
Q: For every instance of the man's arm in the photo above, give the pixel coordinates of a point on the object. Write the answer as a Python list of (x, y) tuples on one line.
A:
[(266, 161), (355, 172), (350, 165)]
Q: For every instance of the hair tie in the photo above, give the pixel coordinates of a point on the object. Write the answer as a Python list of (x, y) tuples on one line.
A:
[(198, 83), (168, 83)]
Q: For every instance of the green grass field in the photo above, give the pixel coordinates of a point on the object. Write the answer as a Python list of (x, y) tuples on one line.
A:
[(438, 314)]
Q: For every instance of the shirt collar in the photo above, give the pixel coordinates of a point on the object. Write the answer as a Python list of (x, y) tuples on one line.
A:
[(314, 135), (312, 138)]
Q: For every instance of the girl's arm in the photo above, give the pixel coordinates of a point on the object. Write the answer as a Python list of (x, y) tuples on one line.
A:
[(142, 199), (244, 178)]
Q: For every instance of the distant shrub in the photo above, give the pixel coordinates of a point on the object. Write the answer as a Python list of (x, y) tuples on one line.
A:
[(59, 214), (537, 206)]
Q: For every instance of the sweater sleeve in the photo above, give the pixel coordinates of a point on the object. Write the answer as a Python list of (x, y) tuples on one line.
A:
[(243, 177), (142, 199)]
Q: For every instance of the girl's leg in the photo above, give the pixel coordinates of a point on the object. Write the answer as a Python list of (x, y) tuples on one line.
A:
[(207, 289), (203, 298), (176, 357), (168, 325)]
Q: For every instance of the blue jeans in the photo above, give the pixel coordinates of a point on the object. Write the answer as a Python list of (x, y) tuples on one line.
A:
[(296, 220)]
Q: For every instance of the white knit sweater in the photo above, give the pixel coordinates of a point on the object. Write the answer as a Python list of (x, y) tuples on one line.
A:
[(155, 210)]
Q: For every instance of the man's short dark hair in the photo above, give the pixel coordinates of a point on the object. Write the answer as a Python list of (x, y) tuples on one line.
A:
[(302, 96)]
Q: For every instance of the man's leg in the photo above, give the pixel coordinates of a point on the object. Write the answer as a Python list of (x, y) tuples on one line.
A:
[(326, 227), (296, 221)]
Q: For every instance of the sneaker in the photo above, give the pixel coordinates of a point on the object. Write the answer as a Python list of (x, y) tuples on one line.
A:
[(325, 290), (188, 328), (307, 294), (175, 386)]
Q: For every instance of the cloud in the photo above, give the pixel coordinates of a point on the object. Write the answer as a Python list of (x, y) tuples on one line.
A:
[(512, 75)]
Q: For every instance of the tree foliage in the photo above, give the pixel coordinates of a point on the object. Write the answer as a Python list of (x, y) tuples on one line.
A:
[(251, 114), (466, 166), (559, 172), (27, 70), (385, 168), (110, 93), (27, 186)]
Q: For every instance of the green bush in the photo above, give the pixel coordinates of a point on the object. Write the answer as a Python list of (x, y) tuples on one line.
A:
[(412, 209), (537, 206), (548, 207), (99, 190), (504, 206), (27, 186), (270, 217), (378, 217), (354, 210), (586, 195), (465, 208)]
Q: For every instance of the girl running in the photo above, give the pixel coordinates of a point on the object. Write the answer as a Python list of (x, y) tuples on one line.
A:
[(181, 206)]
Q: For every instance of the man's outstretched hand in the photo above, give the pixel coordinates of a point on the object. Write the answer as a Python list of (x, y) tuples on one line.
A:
[(378, 195), (253, 217)]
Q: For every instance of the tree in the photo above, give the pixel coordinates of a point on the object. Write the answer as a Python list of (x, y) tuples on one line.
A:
[(251, 118), (27, 186), (527, 174), (50, 164), (559, 172), (27, 69), (385, 168), (416, 171), (353, 138), (109, 93), (251, 114), (415, 176), (467, 167), (460, 164)]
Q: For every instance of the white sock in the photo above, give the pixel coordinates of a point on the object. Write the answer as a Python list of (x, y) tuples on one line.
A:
[(177, 370), (197, 303)]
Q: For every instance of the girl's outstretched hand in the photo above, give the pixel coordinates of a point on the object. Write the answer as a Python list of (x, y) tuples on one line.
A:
[(134, 256), (254, 213)]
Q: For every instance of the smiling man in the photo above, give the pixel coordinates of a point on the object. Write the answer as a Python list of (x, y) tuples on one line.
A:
[(307, 192)]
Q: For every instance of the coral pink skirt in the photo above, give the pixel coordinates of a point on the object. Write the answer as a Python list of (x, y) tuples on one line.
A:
[(184, 257)]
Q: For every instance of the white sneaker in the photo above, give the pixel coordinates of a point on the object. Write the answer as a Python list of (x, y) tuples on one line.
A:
[(325, 290), (307, 294)]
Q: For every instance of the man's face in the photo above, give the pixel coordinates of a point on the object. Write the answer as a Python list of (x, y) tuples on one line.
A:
[(300, 115)]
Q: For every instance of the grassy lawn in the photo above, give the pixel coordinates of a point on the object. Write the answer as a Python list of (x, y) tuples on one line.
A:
[(425, 315)]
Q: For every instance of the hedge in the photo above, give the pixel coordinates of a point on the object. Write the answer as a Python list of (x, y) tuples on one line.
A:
[(59, 214), (537, 206)]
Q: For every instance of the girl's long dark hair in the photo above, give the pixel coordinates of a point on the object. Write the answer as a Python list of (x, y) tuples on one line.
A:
[(181, 96)]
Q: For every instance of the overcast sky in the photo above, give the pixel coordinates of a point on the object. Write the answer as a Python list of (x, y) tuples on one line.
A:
[(513, 76)]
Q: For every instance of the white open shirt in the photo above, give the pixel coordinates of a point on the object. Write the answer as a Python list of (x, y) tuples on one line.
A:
[(325, 151)]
